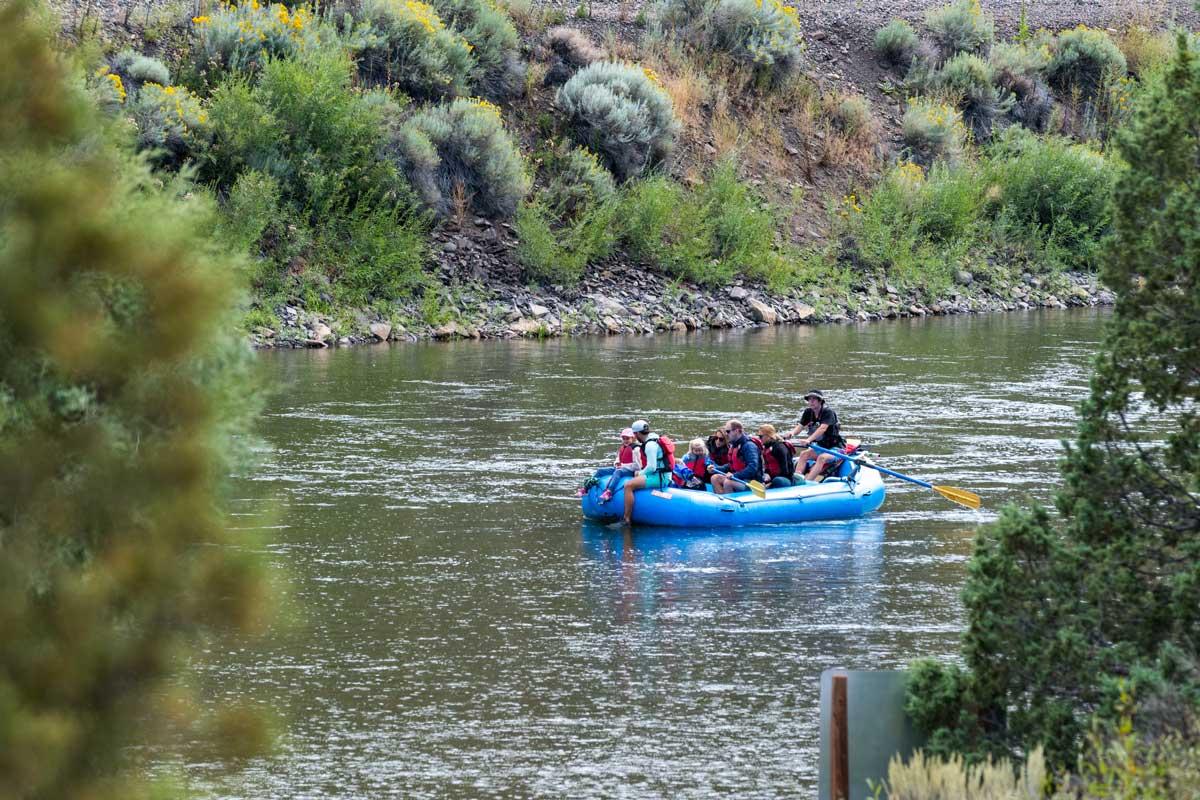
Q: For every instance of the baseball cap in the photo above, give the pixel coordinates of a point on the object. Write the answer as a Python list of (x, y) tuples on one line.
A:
[(640, 426)]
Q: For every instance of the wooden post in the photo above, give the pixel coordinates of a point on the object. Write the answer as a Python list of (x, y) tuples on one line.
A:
[(839, 741)]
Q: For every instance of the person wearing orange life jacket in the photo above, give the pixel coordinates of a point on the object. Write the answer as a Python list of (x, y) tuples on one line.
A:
[(745, 463), (777, 458), (656, 454)]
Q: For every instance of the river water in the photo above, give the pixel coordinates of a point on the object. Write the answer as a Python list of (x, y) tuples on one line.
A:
[(456, 630)]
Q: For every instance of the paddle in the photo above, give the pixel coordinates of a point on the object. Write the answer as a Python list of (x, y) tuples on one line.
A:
[(954, 495), (758, 489)]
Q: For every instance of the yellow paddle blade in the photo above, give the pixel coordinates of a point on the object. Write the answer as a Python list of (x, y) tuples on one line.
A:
[(960, 496), (758, 489)]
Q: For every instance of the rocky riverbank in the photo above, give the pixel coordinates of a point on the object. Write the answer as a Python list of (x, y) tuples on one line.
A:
[(622, 299)]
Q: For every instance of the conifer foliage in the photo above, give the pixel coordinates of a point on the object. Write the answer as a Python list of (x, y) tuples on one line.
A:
[(1060, 611), (119, 389)]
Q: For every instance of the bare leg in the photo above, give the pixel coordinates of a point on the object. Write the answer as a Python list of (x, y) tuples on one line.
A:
[(819, 466), (638, 482)]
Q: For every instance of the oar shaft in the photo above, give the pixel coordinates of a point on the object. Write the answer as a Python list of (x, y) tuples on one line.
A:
[(873, 466)]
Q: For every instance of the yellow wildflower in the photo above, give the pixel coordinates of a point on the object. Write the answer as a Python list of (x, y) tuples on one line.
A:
[(201, 20), (117, 85), (653, 77)]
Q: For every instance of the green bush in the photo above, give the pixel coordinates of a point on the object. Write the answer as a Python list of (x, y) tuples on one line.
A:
[(960, 27), (459, 155), (577, 182), (622, 114), (251, 207), (561, 254), (852, 116), (240, 38), (136, 69), (499, 72), (1053, 195), (709, 235), (171, 123), (409, 46), (933, 131), (302, 123), (896, 43), (762, 33), (1019, 69), (1084, 59), (373, 253), (126, 398), (969, 79), (917, 228)]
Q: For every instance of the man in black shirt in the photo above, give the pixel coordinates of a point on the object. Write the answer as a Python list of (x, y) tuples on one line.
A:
[(820, 424)]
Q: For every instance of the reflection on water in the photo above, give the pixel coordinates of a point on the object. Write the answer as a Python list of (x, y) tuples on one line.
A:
[(463, 634)]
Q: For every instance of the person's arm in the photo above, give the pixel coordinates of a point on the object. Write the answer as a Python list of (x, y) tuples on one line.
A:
[(815, 435)]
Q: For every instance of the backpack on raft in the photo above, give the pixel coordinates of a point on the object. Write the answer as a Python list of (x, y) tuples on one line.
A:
[(668, 450)]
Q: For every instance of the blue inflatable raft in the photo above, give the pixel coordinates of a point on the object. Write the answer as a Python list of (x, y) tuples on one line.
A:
[(854, 492)]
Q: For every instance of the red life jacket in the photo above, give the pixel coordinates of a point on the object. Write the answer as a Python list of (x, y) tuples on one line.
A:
[(625, 454), (736, 464), (698, 465), (771, 464), (668, 452)]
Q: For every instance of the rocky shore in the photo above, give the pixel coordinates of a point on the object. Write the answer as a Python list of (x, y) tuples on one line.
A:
[(619, 298)]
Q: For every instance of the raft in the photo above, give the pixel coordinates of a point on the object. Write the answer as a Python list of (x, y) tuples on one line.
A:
[(853, 492)]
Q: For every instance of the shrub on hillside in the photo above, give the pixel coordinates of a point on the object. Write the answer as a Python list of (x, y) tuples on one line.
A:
[(459, 156), (409, 46), (1146, 51), (1052, 195), (621, 113), (562, 253), (136, 69), (933, 131), (960, 27), (1084, 59), (969, 79), (171, 123), (572, 51), (499, 72), (241, 38), (915, 227), (1018, 70), (709, 235), (896, 43), (302, 123), (762, 33), (577, 182)]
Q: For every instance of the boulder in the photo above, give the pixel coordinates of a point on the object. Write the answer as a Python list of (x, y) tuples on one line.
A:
[(380, 330), (538, 310), (761, 312), (738, 293), (804, 312), (321, 331), (963, 277)]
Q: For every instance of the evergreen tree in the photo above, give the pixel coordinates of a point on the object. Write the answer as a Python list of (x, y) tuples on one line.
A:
[(121, 383), (1061, 609)]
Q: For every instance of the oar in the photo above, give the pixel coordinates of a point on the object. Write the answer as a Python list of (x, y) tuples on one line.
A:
[(951, 493), (758, 489)]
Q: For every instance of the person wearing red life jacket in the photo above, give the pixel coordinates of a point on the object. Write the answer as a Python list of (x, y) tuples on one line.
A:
[(657, 458), (624, 465), (777, 457), (696, 468), (718, 448), (745, 462)]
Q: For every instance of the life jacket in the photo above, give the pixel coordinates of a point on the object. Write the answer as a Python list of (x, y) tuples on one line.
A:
[(668, 452), (625, 454), (718, 454), (771, 464), (736, 463), (698, 466)]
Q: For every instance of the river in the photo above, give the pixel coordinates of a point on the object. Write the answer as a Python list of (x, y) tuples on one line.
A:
[(454, 629)]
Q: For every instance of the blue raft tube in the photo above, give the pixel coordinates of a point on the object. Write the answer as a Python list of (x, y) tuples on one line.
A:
[(853, 491)]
